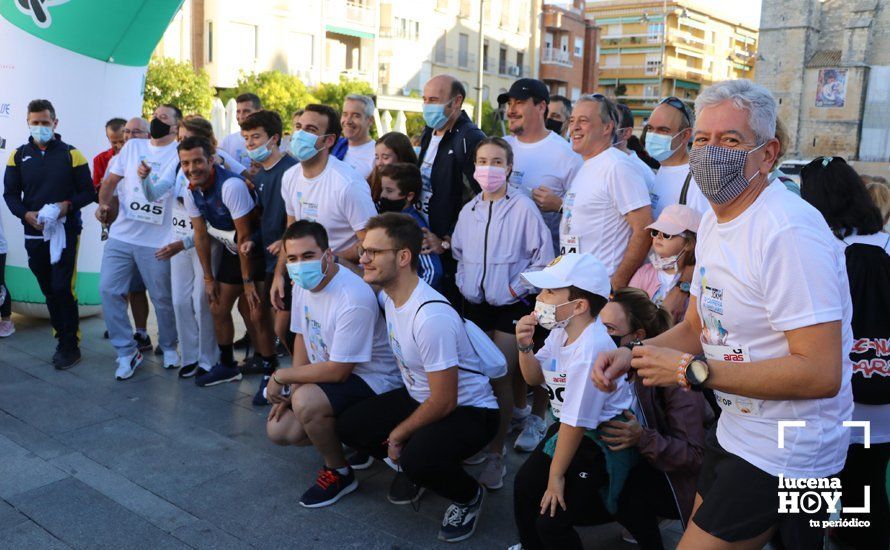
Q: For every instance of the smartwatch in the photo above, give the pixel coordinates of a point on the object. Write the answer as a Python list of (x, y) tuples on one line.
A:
[(697, 371), (684, 287), (631, 345)]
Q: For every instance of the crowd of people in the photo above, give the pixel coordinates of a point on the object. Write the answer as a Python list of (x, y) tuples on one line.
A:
[(641, 313)]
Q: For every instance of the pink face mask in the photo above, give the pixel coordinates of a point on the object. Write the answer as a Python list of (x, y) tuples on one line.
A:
[(490, 178)]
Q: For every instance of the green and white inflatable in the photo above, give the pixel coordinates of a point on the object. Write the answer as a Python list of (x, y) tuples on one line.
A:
[(89, 58)]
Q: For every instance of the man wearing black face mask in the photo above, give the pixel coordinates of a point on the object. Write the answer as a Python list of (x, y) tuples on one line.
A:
[(141, 212), (400, 186)]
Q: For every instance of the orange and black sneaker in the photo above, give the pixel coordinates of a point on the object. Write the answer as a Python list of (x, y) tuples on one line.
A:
[(329, 487)]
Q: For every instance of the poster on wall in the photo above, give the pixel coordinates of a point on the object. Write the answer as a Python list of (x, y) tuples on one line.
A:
[(831, 91)]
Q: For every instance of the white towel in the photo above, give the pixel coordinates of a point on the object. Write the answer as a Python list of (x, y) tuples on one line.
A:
[(53, 231)]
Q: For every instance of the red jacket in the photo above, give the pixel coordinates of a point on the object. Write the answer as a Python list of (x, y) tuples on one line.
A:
[(100, 165)]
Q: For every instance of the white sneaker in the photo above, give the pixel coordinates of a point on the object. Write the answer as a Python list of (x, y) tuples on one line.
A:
[(126, 366), (519, 418), (493, 472), (531, 435), (171, 359), (7, 329)]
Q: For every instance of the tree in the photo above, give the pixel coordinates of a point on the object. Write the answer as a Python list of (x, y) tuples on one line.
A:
[(279, 92), (491, 125), (334, 94), (169, 81)]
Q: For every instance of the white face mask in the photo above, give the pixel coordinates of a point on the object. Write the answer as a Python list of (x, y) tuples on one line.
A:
[(546, 315), (664, 264)]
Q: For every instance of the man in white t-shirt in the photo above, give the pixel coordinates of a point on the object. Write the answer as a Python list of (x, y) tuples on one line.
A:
[(446, 412), (341, 358), (767, 330), (142, 224), (356, 119), (625, 130), (667, 132), (606, 209), (544, 163), (234, 144), (323, 189)]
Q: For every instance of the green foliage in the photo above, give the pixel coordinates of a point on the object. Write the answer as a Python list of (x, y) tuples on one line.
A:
[(490, 124), (169, 81), (333, 94), (280, 92)]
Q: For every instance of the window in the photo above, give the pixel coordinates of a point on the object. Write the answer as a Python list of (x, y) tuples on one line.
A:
[(502, 61), (653, 64), (210, 41), (651, 90), (611, 61), (576, 93), (548, 40), (463, 50), (405, 28), (485, 63), (579, 46), (245, 36), (520, 59), (655, 31), (613, 30), (439, 52)]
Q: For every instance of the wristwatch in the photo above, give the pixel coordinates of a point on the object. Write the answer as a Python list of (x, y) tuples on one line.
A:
[(684, 287), (632, 344), (697, 372), (526, 349), (446, 245)]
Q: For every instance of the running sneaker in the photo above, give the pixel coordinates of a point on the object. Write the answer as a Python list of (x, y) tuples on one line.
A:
[(531, 435), (171, 359), (66, 358), (329, 487), (360, 460), (493, 471), (259, 398), (252, 365), (219, 374), (519, 418), (460, 520), (188, 371), (7, 329), (126, 366), (243, 342), (158, 350), (477, 458), (143, 343), (403, 490)]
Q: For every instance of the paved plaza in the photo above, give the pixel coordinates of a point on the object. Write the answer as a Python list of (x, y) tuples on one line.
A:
[(156, 462)]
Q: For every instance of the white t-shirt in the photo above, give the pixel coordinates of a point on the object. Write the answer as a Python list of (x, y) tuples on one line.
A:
[(426, 171), (877, 415), (230, 163), (668, 186), (550, 163), (342, 323), (139, 221), (574, 400), (434, 339), (776, 267), (361, 158), (338, 198), (235, 196), (604, 190), (234, 145), (644, 170)]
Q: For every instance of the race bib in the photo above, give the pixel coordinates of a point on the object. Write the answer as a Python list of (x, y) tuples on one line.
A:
[(182, 223), (137, 207), (516, 181), (227, 238), (569, 244), (556, 386), (425, 196), (308, 211), (731, 403)]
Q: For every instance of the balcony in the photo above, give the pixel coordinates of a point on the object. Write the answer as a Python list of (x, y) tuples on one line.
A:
[(351, 14), (688, 40), (631, 39), (556, 56), (675, 70), (626, 71)]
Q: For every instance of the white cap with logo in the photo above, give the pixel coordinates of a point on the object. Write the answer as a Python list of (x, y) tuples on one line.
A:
[(583, 271)]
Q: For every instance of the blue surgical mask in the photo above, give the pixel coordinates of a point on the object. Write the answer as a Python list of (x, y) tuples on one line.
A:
[(302, 145), (306, 274), (41, 134), (434, 114), (261, 153), (659, 146), (417, 150)]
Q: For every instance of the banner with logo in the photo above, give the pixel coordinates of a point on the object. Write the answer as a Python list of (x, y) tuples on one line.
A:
[(89, 58)]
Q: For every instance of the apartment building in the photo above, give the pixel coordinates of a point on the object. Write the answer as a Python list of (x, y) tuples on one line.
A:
[(651, 49), (568, 50)]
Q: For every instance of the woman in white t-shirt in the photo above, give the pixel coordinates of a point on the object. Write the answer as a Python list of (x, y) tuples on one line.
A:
[(572, 475), (836, 190), (673, 249)]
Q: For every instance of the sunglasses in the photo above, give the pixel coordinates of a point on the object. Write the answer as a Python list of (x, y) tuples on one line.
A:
[(676, 103), (655, 233), (613, 112)]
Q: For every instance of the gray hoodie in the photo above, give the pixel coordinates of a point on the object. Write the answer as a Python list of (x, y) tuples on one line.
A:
[(494, 242)]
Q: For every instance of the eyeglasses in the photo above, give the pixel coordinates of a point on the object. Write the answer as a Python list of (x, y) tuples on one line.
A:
[(655, 233), (678, 104), (372, 252)]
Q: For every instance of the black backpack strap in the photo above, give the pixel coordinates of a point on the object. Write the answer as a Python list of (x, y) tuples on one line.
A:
[(685, 190), (458, 314)]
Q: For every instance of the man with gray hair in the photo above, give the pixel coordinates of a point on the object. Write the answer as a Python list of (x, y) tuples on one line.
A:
[(767, 333), (356, 118), (606, 208)]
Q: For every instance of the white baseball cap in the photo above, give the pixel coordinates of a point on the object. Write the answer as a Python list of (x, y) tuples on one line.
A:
[(579, 270)]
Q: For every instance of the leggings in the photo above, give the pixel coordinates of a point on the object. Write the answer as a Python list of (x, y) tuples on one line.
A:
[(866, 467), (5, 298)]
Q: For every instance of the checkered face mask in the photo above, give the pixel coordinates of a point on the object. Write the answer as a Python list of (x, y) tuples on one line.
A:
[(720, 172)]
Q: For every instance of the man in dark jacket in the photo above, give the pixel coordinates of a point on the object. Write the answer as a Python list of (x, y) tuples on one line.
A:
[(446, 160), (47, 171)]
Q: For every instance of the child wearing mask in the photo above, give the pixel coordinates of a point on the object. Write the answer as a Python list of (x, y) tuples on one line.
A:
[(673, 248), (571, 476), (498, 236)]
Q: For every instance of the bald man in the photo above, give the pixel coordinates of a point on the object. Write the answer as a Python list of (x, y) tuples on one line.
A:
[(446, 166)]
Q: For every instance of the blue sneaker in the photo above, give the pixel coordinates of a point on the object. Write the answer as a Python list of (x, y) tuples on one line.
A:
[(219, 374), (329, 487), (259, 398)]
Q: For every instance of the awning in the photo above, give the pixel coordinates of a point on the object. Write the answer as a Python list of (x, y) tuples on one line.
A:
[(348, 32), (688, 85)]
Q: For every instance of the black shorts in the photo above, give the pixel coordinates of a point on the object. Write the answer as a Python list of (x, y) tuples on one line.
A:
[(741, 501), (229, 268), (288, 291), (343, 395)]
